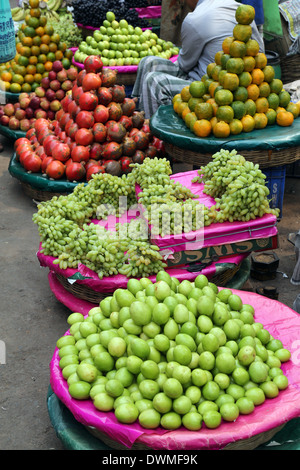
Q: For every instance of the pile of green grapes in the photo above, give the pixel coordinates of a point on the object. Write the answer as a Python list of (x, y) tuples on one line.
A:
[(169, 207), (238, 187), (67, 233), (170, 354)]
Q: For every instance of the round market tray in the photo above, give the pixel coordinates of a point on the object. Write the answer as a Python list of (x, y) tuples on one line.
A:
[(76, 436), (37, 186), (248, 431), (11, 134), (272, 146), (82, 305), (84, 292), (10, 97)]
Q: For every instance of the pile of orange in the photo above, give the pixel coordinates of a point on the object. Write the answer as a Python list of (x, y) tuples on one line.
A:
[(239, 92), (38, 46)]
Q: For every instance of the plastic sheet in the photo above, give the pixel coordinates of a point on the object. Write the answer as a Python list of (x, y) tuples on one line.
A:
[(281, 321), (120, 68), (11, 134), (37, 180), (169, 127), (153, 11), (75, 436)]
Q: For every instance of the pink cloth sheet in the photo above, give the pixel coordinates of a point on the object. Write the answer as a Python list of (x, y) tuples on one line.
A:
[(153, 11), (281, 321), (119, 68), (217, 233)]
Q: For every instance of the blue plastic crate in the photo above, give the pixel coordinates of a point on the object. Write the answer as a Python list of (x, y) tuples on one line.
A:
[(275, 181)]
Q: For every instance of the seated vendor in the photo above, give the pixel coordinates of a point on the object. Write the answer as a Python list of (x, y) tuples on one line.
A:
[(203, 32)]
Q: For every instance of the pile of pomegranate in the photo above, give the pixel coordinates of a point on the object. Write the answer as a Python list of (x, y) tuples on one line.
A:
[(44, 102), (97, 130)]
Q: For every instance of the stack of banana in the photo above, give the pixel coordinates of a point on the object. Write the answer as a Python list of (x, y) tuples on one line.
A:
[(48, 8)]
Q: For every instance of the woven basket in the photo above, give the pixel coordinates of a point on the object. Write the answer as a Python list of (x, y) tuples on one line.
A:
[(290, 68), (86, 293), (38, 194), (243, 444), (265, 158)]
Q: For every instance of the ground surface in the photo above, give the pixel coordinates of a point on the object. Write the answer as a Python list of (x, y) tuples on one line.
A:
[(32, 319)]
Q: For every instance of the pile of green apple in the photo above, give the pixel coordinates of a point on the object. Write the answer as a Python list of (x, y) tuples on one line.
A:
[(120, 43)]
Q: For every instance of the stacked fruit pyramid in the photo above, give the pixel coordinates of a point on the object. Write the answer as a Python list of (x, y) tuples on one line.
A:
[(97, 130), (239, 92), (38, 46)]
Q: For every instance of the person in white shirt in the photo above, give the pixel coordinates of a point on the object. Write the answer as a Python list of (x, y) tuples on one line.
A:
[(203, 32)]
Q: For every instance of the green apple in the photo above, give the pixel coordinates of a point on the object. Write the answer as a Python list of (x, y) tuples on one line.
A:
[(106, 23), (123, 23), (110, 16)]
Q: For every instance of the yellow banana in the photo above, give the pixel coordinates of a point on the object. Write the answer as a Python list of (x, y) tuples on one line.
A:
[(19, 16)]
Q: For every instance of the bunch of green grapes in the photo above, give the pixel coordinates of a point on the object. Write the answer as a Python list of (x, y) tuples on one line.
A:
[(176, 218), (172, 191), (142, 258), (53, 232), (151, 171), (117, 194)]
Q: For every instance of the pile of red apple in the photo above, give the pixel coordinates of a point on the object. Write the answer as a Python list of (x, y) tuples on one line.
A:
[(97, 130), (44, 102)]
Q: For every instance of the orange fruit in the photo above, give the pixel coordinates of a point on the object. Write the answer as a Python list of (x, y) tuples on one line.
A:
[(245, 79), (44, 48), (43, 20), (236, 127), (221, 76), (176, 103), (249, 63), (284, 98), (269, 73), (271, 116), (204, 111), (242, 32), (260, 120), (215, 72), (56, 38), (245, 14), (235, 65), (279, 109), (40, 68), (49, 29), (185, 112), (28, 78), (260, 60), (225, 113), (25, 51), (284, 118), (31, 69), (185, 93), (252, 47), (26, 88), (59, 55), (298, 104), (35, 50), (224, 59), (238, 49), (202, 128), (209, 68), (231, 81), (293, 108), (6, 76), (29, 31), (276, 85), (40, 31), (223, 97), (36, 12), (52, 47), (221, 129), (193, 101), (17, 78), (34, 3), (46, 39), (190, 119), (212, 101), (239, 109), (5, 86), (38, 77), (262, 105), (240, 94), (213, 121), (264, 89), (226, 44), (273, 100), (248, 123), (36, 41), (15, 88), (257, 76), (212, 88), (253, 91), (197, 89), (218, 57), (42, 58), (27, 41)]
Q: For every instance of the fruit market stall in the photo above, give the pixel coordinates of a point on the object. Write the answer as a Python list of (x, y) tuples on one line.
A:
[(162, 408), (202, 236)]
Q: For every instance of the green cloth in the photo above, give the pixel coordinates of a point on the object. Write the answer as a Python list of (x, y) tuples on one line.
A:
[(272, 25)]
